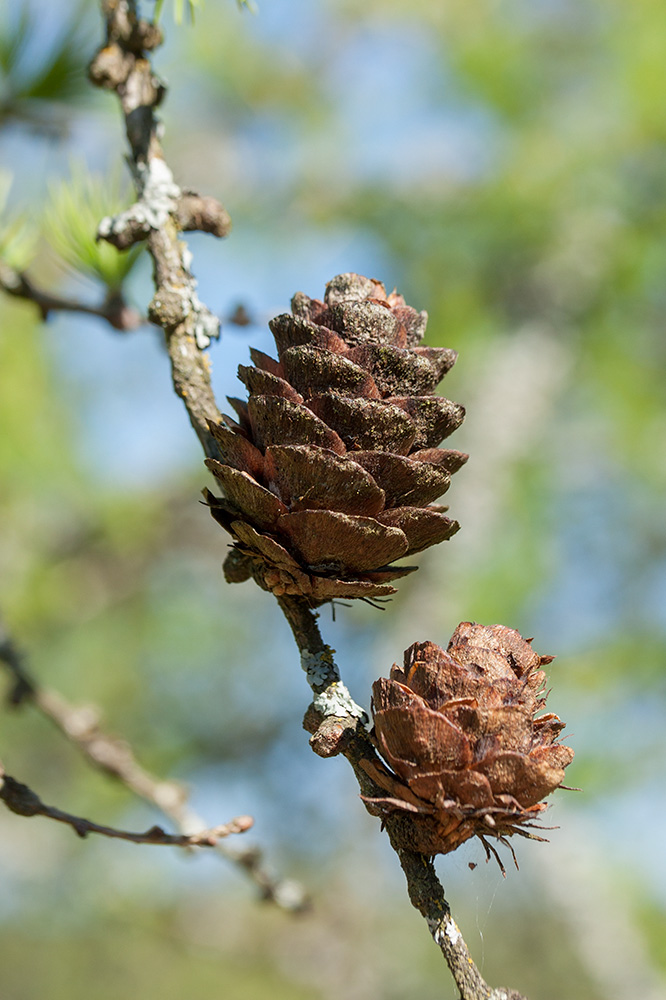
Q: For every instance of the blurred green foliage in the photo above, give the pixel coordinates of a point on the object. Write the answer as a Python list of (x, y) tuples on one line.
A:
[(178, 9), (504, 164), (18, 237), (37, 76), (75, 208), (192, 5)]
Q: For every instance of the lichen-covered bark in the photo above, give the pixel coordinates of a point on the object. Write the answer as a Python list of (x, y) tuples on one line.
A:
[(160, 212)]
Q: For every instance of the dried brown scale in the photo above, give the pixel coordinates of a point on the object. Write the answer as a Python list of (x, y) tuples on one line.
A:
[(467, 755), (329, 470)]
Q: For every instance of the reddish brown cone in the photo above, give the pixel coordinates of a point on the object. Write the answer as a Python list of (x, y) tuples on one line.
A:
[(330, 470), (468, 756)]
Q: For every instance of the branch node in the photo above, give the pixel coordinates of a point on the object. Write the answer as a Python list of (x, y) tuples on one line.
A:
[(17, 797), (203, 213), (110, 67), (330, 737)]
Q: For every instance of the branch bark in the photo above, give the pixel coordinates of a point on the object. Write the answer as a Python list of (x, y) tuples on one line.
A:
[(331, 696), (427, 896), (161, 211)]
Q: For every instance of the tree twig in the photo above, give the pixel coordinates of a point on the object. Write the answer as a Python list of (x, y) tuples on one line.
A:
[(23, 801), (427, 896), (80, 725), (161, 212), (114, 310), (331, 696)]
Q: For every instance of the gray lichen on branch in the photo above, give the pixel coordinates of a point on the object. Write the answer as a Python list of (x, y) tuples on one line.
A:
[(331, 696), (158, 199)]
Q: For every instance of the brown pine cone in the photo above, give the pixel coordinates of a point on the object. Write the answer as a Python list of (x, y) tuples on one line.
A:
[(458, 729), (331, 468)]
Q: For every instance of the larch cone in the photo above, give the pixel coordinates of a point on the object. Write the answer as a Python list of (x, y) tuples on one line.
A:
[(331, 467), (467, 752)]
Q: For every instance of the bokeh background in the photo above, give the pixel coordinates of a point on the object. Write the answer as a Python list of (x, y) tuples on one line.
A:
[(503, 163)]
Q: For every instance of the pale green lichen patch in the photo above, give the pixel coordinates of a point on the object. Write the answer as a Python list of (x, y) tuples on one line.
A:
[(336, 700), (320, 667)]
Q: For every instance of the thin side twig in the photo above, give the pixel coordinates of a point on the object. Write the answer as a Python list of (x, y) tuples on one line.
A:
[(114, 310), (114, 756), (23, 801)]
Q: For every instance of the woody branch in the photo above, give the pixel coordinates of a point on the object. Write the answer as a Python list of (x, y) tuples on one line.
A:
[(161, 212), (336, 722), (23, 801)]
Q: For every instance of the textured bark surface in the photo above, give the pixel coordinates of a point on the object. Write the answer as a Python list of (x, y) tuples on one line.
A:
[(161, 211)]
